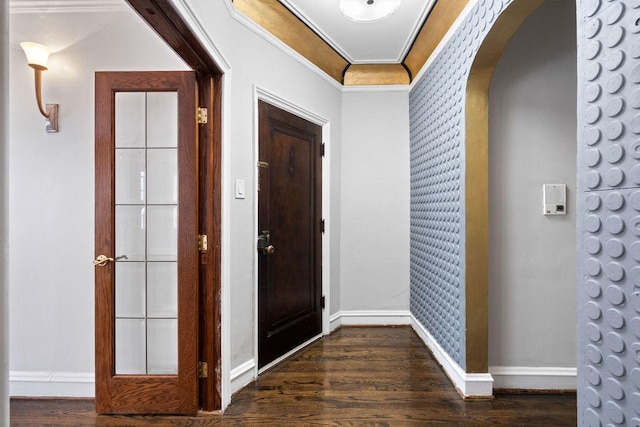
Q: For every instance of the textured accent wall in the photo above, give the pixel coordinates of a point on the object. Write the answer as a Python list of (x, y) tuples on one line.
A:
[(609, 209), (437, 106), (608, 180)]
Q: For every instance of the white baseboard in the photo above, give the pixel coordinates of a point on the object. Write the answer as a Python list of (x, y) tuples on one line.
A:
[(335, 321), (370, 318), (242, 375), (534, 378), (468, 385), (51, 384)]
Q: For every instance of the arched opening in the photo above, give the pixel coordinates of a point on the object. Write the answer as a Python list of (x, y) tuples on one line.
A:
[(532, 257), (477, 182)]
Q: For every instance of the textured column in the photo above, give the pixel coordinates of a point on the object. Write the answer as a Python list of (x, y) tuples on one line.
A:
[(4, 214), (609, 212)]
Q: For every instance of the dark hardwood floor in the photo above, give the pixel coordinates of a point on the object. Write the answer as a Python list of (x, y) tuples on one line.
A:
[(356, 376)]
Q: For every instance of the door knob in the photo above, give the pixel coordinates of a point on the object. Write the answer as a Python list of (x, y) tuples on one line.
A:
[(263, 243)]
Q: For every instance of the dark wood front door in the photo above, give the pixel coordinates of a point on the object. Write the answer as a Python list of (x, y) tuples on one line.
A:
[(289, 213), (146, 273)]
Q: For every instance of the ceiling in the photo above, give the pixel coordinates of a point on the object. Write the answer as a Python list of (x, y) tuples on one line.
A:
[(384, 41)]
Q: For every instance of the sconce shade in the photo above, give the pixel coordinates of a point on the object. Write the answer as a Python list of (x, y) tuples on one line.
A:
[(37, 57), (37, 54), (368, 10)]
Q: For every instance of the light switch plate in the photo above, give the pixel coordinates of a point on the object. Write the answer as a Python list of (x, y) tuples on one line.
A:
[(240, 189)]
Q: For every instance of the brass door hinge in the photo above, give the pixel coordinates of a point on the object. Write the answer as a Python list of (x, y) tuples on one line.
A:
[(203, 370), (261, 165), (203, 244), (203, 116)]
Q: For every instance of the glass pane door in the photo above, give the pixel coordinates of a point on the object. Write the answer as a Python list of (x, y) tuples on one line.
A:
[(147, 260), (146, 233)]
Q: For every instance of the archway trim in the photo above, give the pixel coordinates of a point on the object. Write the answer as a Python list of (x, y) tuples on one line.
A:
[(477, 181)]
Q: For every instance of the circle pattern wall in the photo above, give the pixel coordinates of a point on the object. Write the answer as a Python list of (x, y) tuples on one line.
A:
[(609, 202), (437, 105)]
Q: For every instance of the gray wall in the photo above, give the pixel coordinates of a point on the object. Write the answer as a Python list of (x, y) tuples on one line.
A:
[(52, 191), (375, 211), (532, 141)]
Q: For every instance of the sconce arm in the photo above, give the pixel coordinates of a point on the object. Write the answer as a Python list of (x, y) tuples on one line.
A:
[(38, 77)]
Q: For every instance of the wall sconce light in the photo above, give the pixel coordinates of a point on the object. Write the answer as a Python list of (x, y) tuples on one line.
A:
[(37, 56)]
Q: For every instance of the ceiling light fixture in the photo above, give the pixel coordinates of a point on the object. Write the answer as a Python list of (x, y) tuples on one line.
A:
[(37, 57), (368, 10)]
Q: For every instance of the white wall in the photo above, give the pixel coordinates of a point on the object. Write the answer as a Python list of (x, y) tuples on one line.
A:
[(4, 214), (375, 202), (532, 278), (52, 191)]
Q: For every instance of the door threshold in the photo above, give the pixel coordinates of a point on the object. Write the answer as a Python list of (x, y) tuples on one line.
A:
[(289, 354)]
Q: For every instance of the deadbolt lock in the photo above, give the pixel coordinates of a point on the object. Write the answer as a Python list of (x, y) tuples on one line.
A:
[(263, 243)]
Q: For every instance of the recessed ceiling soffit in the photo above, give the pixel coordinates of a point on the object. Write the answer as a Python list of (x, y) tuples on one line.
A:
[(291, 22)]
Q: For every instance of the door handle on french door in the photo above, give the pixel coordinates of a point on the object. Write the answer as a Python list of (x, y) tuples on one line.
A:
[(102, 260)]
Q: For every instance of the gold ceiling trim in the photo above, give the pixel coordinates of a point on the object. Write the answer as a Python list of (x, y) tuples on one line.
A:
[(280, 22), (288, 28), (376, 74), (438, 23)]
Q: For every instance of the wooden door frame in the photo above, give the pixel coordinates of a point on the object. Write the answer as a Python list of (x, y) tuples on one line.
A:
[(261, 94), (162, 16)]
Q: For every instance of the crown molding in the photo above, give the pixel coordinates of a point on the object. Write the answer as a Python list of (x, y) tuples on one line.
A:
[(408, 44), (67, 6)]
